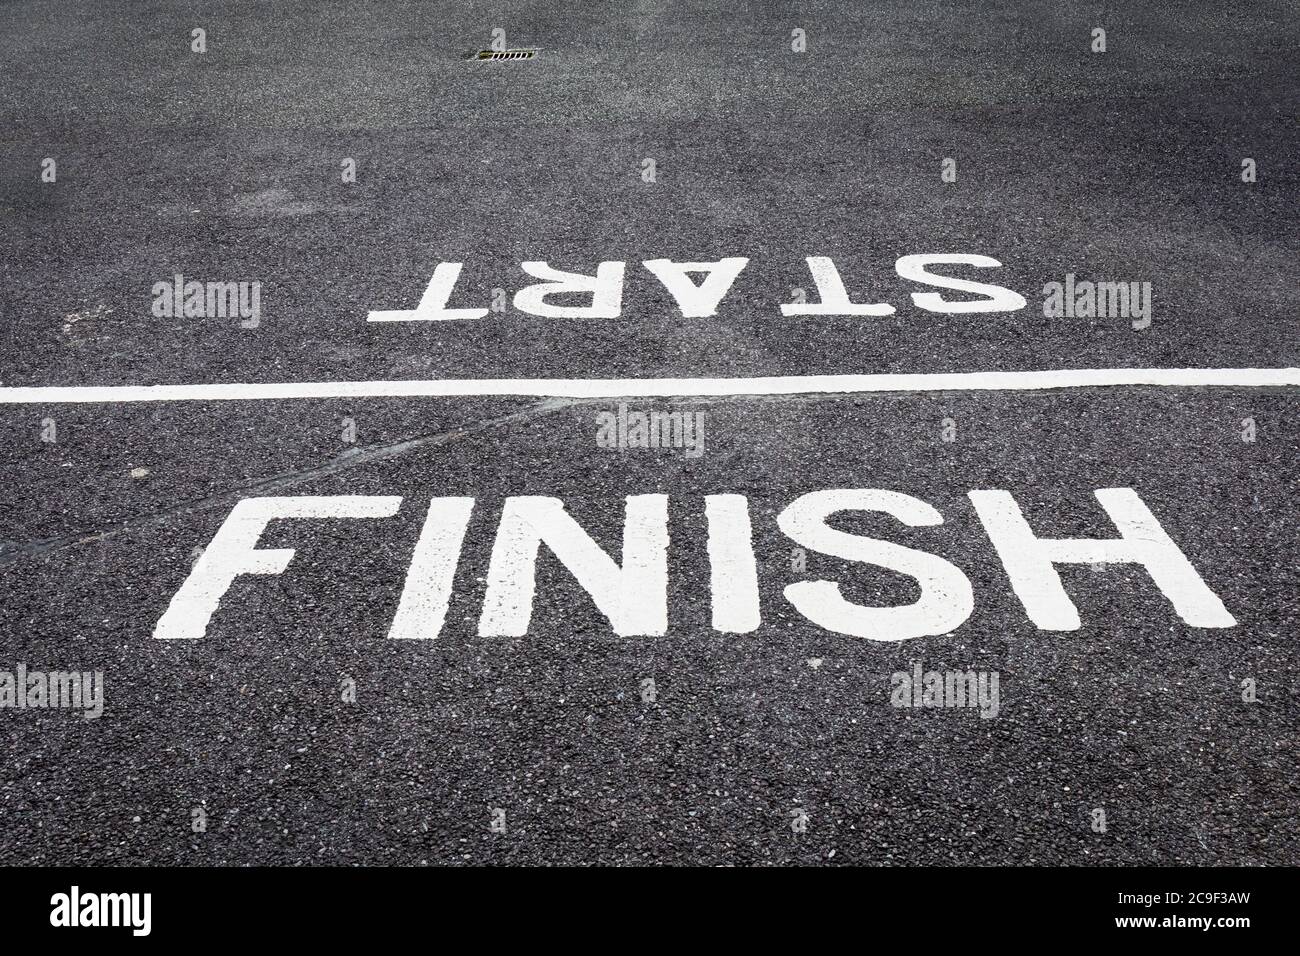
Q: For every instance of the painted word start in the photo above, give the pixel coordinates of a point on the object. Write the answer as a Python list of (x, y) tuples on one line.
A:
[(634, 596), (602, 293)]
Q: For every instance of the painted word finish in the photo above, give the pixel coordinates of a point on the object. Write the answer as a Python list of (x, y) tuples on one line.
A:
[(633, 596), (603, 292)]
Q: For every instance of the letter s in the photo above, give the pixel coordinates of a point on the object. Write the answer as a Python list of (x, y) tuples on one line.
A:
[(998, 298), (946, 598)]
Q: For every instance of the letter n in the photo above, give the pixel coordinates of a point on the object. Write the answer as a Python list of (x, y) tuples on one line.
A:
[(634, 597)]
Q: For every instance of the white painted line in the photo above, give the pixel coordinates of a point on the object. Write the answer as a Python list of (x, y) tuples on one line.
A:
[(661, 387)]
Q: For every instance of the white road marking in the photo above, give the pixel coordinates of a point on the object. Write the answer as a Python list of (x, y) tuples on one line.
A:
[(946, 600), (233, 552), (634, 595), (1031, 561), (660, 387), (733, 567), (428, 589)]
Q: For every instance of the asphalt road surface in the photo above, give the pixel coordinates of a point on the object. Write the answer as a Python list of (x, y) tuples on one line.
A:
[(335, 153)]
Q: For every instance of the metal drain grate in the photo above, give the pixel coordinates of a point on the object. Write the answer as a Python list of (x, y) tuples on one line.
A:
[(505, 54)]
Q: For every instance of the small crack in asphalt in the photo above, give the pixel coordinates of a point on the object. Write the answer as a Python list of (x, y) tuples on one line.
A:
[(12, 553)]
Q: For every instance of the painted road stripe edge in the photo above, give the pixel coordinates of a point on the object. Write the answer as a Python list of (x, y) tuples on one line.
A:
[(660, 387)]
